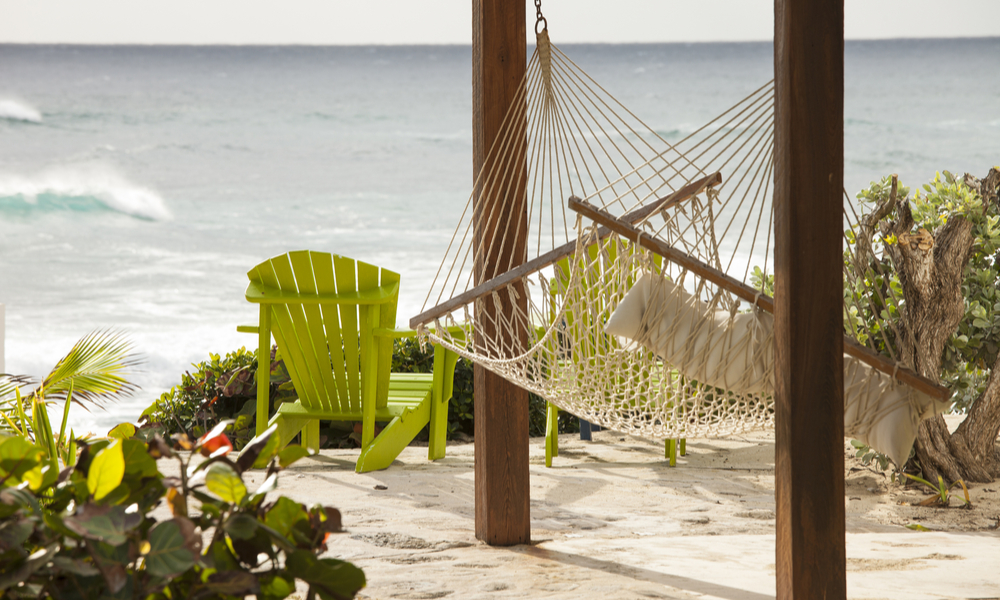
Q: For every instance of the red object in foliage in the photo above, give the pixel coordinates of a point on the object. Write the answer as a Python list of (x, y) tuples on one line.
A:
[(209, 446)]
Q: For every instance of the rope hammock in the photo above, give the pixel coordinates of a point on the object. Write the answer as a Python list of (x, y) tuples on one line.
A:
[(649, 317)]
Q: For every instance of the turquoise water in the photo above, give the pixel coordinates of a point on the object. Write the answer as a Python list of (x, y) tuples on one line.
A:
[(138, 184)]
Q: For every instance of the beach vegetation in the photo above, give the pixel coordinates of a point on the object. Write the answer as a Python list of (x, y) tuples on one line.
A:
[(928, 270), (88, 531), (942, 491), (91, 374)]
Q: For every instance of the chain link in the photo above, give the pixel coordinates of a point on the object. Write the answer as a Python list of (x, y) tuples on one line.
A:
[(539, 19)]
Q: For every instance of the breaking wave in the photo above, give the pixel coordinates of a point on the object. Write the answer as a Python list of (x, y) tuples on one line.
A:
[(82, 189), (15, 110)]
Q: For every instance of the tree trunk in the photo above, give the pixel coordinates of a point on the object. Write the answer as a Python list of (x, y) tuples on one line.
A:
[(931, 271)]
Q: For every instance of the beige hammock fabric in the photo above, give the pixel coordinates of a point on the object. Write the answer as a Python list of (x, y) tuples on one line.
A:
[(711, 370), (734, 351)]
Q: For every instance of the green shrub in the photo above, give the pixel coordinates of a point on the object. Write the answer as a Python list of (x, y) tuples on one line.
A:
[(220, 388), (86, 532)]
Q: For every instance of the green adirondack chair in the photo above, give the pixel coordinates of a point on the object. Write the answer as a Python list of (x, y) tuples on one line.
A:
[(332, 318)]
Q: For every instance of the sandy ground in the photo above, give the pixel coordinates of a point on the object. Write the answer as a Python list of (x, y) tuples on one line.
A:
[(611, 519)]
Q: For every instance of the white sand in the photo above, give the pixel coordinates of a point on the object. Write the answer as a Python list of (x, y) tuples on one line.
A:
[(612, 520)]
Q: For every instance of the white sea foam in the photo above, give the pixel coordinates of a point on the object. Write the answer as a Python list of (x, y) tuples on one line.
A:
[(16, 110), (60, 187)]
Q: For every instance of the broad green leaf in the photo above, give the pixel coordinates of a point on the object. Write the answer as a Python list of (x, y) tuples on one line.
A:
[(260, 450), (77, 567), (241, 526), (291, 454), (330, 577), (223, 481), (106, 470), (284, 515), (20, 461), (21, 572), (137, 459), (122, 431), (273, 587), (108, 524), (917, 527), (168, 553)]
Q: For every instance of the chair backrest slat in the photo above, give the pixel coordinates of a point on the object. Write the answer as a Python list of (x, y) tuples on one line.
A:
[(344, 271), (325, 284)]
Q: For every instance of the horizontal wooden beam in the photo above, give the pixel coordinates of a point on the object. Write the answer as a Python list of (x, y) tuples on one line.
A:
[(552, 256), (749, 294)]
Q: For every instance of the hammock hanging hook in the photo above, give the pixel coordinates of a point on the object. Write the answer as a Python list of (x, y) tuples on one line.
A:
[(539, 19)]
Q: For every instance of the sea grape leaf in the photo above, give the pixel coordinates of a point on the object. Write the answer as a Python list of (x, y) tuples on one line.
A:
[(169, 551), (137, 459), (223, 481), (32, 563), (122, 431), (13, 534), (260, 450), (284, 515), (75, 566), (274, 587), (20, 461), (329, 577), (106, 470), (108, 524), (241, 526)]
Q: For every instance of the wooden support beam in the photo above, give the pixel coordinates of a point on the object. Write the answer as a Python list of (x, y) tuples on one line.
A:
[(552, 256), (502, 488), (749, 294), (808, 298)]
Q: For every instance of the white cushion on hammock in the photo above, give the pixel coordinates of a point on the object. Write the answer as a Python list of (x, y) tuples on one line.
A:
[(882, 413), (735, 352)]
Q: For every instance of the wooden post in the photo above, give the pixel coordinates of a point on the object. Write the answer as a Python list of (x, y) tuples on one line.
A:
[(501, 408), (808, 324)]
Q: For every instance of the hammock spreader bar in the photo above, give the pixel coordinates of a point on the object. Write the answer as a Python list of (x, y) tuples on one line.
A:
[(748, 293), (551, 257)]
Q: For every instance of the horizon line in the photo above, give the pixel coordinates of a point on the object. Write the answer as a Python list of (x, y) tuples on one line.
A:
[(467, 45)]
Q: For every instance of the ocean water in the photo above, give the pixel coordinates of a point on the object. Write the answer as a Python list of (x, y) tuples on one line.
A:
[(138, 184)]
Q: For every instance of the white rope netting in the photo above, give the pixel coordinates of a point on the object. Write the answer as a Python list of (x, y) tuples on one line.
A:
[(542, 296)]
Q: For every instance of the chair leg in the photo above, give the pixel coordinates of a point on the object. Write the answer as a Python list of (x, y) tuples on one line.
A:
[(288, 427), (551, 432), (390, 442), (671, 451), (438, 430), (684, 447), (310, 435)]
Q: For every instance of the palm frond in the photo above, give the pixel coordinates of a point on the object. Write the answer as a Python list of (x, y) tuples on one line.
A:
[(9, 383), (94, 370)]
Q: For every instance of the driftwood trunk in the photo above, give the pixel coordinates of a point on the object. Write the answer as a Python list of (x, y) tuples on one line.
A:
[(931, 271)]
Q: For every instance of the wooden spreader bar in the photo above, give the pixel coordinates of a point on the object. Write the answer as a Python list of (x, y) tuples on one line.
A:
[(552, 256), (748, 293)]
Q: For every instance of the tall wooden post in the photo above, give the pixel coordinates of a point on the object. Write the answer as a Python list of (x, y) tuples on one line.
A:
[(808, 324), (501, 408)]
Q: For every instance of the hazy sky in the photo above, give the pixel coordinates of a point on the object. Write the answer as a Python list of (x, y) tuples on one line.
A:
[(449, 21)]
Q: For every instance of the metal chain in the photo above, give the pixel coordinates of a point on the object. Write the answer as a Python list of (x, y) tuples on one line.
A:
[(539, 19)]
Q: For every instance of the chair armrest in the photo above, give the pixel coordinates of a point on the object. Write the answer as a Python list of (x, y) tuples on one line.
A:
[(248, 328), (411, 333)]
